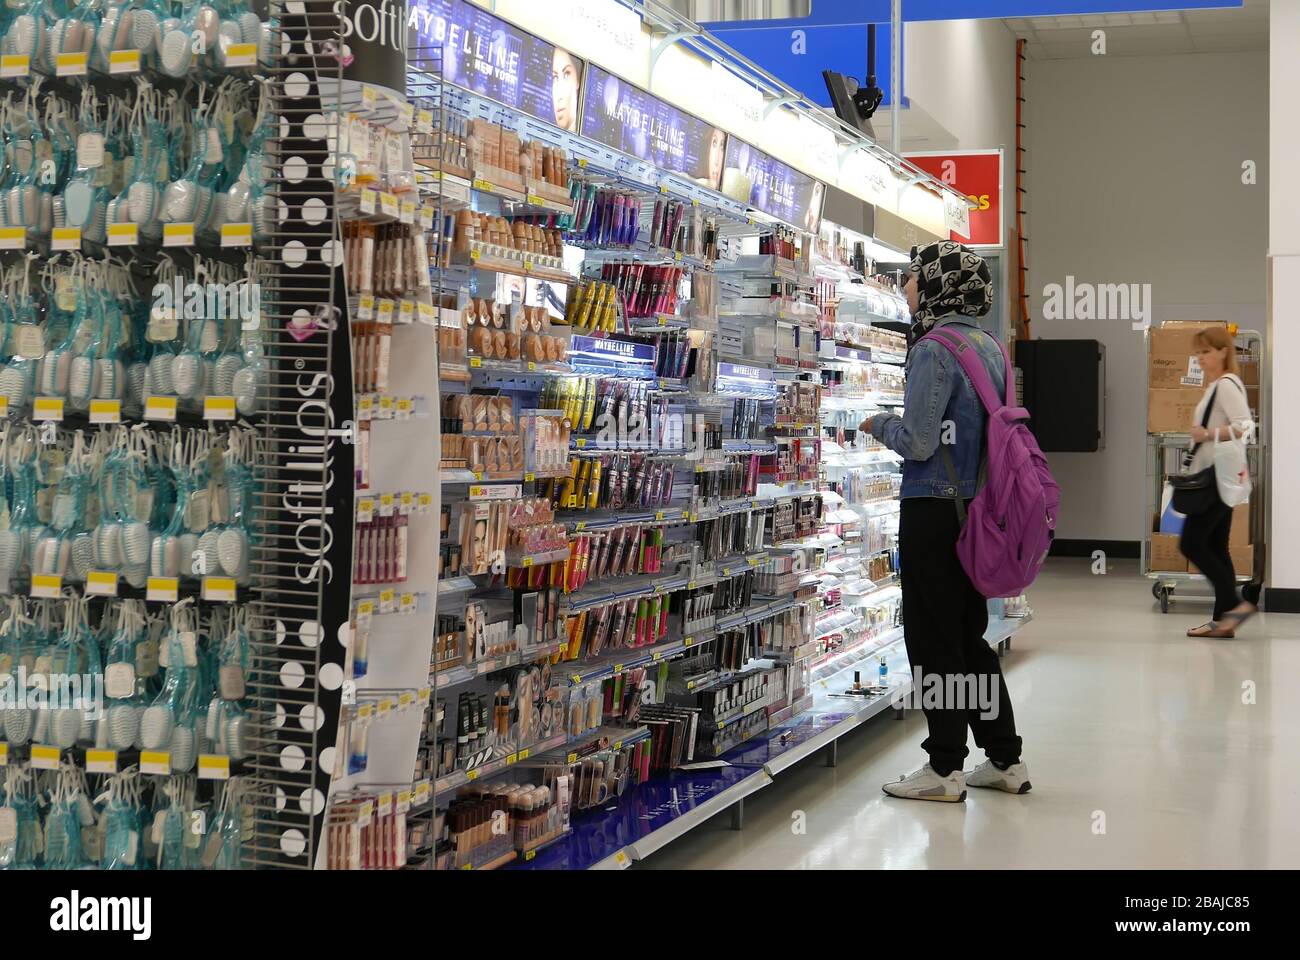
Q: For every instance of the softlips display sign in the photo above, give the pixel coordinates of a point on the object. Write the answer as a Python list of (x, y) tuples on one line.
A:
[(374, 41)]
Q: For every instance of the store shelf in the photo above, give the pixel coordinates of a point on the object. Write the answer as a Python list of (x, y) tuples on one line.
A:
[(578, 672), (652, 815), (462, 674)]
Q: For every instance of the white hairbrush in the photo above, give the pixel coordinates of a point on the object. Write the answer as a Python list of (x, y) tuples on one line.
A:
[(156, 724)]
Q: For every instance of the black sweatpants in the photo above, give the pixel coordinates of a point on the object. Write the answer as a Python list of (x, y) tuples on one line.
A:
[(1205, 543), (944, 620)]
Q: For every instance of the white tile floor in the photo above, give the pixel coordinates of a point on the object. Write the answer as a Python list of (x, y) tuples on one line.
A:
[(1124, 720)]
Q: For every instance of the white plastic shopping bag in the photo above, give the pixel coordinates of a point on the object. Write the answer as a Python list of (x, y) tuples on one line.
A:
[(1231, 471)]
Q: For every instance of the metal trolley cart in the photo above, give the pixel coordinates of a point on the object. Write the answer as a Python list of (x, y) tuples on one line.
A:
[(1164, 455)]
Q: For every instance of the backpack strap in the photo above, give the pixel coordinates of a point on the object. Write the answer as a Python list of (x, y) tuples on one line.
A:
[(961, 347)]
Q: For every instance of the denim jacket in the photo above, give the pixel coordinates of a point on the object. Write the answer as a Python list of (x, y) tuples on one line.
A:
[(941, 405)]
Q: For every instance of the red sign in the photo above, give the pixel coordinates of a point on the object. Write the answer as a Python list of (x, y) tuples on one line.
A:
[(978, 174)]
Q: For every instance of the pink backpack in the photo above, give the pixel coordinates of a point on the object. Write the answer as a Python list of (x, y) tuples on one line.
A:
[(1012, 521)]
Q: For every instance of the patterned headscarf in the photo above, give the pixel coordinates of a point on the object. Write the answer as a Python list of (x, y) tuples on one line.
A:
[(951, 279)]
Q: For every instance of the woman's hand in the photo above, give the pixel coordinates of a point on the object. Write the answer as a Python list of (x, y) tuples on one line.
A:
[(865, 425), (1200, 434)]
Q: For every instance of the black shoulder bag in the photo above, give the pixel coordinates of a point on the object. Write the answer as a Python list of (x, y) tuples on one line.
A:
[(1195, 493)]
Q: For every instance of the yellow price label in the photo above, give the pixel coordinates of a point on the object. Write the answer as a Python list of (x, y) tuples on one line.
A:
[(236, 234), (572, 758), (47, 408), (241, 55), (101, 761), (105, 411), (123, 234), (71, 64), (162, 589), (523, 754), (471, 775), (214, 767), (218, 408), (512, 759), (15, 65), (100, 583), (178, 234), (160, 408), (65, 238), (475, 361), (46, 585), (45, 758)]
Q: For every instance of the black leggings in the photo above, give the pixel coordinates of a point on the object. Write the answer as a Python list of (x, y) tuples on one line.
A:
[(1205, 543), (944, 620)]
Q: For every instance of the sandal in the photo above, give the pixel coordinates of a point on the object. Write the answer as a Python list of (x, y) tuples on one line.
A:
[(1204, 630), (1239, 618)]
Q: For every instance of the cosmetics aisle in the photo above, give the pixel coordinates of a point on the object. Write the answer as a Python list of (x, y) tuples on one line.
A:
[(663, 568)]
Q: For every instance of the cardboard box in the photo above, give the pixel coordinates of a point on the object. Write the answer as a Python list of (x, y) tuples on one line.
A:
[(1165, 555), (1173, 370), (1171, 410), (1243, 561), (1175, 336), (1240, 535), (1252, 398), (1249, 372)]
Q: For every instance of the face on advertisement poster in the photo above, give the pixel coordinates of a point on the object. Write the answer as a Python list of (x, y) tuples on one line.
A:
[(813, 218), (717, 159), (566, 81)]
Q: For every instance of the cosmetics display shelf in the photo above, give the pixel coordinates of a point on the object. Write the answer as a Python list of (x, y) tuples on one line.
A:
[(853, 458), (589, 744), (450, 677), (833, 352), (1002, 629), (503, 261), (765, 266), (448, 785), (578, 672), (641, 252), (834, 622), (651, 815)]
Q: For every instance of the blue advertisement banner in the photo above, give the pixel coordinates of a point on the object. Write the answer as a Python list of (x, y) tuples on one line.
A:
[(776, 188), (628, 119), (496, 59)]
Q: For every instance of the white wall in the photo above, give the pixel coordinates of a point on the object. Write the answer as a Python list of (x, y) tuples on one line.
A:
[(1284, 249), (1134, 176), (962, 73)]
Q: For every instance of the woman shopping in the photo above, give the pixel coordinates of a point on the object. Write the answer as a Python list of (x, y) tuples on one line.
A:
[(941, 438), (1222, 416)]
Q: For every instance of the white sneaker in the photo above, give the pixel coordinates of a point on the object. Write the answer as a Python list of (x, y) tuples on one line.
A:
[(925, 784), (1014, 779)]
